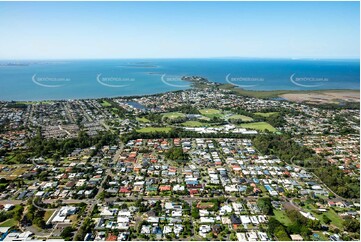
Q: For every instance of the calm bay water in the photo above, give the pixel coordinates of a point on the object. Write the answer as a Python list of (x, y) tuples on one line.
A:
[(73, 79)]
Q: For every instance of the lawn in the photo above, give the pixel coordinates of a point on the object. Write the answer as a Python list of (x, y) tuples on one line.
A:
[(143, 120), (282, 217), (262, 126), (266, 115), (241, 117), (209, 204), (154, 129), (193, 124), (173, 115), (335, 219), (47, 215), (73, 219), (331, 214), (9, 223)]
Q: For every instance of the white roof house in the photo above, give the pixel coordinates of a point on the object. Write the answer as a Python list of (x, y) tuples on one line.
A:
[(207, 220), (153, 219), (241, 237), (62, 213), (177, 213), (245, 219), (123, 219), (167, 229), (252, 236)]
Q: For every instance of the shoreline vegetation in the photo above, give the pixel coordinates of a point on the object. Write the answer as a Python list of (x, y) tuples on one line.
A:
[(279, 93), (311, 96)]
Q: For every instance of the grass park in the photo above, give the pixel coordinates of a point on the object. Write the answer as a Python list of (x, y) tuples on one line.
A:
[(105, 103)]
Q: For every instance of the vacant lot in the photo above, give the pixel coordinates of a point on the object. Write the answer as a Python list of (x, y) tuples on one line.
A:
[(11, 172)]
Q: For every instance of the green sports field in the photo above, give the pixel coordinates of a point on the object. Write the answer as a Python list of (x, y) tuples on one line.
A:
[(143, 120), (193, 124), (173, 115), (154, 129), (261, 126), (266, 115), (241, 117), (210, 112)]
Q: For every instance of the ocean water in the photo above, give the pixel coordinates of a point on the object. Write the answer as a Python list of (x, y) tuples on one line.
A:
[(74, 79)]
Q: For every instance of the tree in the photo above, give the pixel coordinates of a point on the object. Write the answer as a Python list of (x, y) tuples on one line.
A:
[(195, 212), (326, 219), (265, 205), (281, 234), (85, 228), (67, 233), (277, 229), (101, 196), (176, 154), (351, 225), (273, 224), (18, 213), (39, 221)]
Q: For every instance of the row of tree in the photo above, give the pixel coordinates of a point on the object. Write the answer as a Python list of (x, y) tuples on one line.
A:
[(56, 148), (288, 150), (180, 133)]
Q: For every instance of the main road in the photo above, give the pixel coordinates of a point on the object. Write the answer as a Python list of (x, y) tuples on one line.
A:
[(92, 202)]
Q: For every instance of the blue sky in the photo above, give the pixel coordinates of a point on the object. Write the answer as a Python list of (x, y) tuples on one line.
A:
[(68, 30)]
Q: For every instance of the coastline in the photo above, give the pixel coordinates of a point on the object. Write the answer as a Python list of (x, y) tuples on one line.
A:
[(273, 77), (278, 93), (289, 95)]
